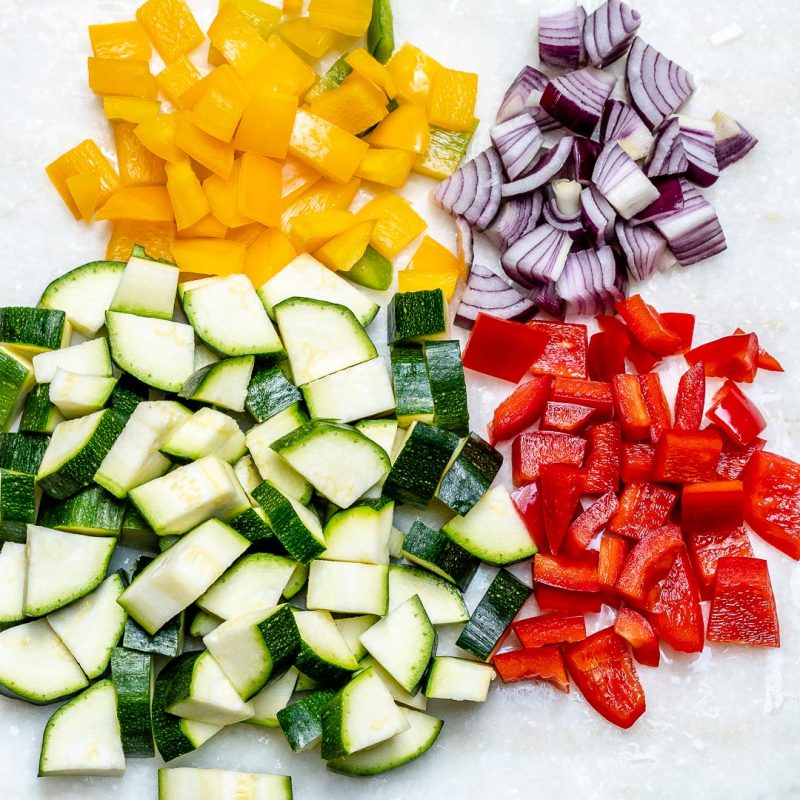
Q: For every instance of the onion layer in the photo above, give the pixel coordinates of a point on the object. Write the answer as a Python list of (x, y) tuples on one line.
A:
[(549, 164), (669, 156), (670, 198), (590, 283), (517, 140), (621, 124), (732, 141), (465, 242), (524, 95), (577, 98), (488, 293), (537, 256), (598, 216), (622, 183), (609, 31), (545, 296), (517, 216), (561, 35), (643, 248), (473, 191)]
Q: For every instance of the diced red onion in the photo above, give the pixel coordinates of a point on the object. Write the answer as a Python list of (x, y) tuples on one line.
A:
[(524, 94), (622, 183), (548, 165), (561, 35), (698, 144), (621, 124), (590, 283), (670, 198), (598, 216), (546, 298), (465, 242), (669, 156), (517, 216), (609, 31), (732, 141), (658, 87), (487, 292), (517, 140), (582, 161), (473, 191), (576, 99), (562, 209), (537, 256), (643, 249)]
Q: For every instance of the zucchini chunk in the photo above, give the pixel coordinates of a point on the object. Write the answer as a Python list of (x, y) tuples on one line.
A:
[(400, 695), (133, 677), (301, 722), (88, 358), (17, 504), (12, 583), (270, 392), (16, 380), (442, 601), (147, 289), (22, 452), (417, 317), (469, 474), (91, 511), (186, 782), (76, 395), (435, 551), (360, 533), (452, 678), (33, 330), (448, 385), (223, 384), (206, 433), (323, 655), (351, 629), (347, 588), (39, 415), (272, 698), (412, 387)]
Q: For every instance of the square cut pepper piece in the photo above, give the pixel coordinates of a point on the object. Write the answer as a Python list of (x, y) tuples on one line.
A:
[(130, 109), (186, 194), (501, 348), (355, 106), (643, 508), (386, 167), (521, 409), (650, 560), (223, 197), (171, 27), (398, 224), (734, 458), (569, 574), (85, 191), (343, 251), (220, 104), (565, 352), (530, 451), (209, 256), (310, 231), (237, 40), (267, 256), (413, 71), (145, 203), (158, 135), (551, 599), (370, 68), (431, 256), (323, 195), (687, 456), (708, 547), (263, 15), (544, 663), (550, 629), (630, 407), (734, 357), (120, 40), (266, 124), (409, 280), (281, 70), (648, 326), (589, 523), (636, 462), (405, 128), (595, 394), (155, 237), (350, 17), (259, 189), (300, 33), (736, 414), (604, 444), (137, 165), (117, 76), (716, 504), (451, 101), (209, 151), (177, 78)]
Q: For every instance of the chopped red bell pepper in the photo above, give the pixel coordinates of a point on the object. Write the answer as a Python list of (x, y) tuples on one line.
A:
[(734, 357), (743, 605), (734, 458), (604, 443), (639, 634), (691, 398), (550, 629), (562, 486), (717, 504), (595, 394), (564, 351), (571, 574), (550, 599), (603, 670), (687, 456), (630, 407), (607, 351), (643, 508), (502, 348), (588, 524), (734, 412), (521, 409), (772, 500), (612, 557), (544, 663), (649, 560), (765, 360), (641, 358), (683, 325), (566, 417), (636, 463), (648, 327), (528, 502), (656, 404), (708, 547), (531, 450)]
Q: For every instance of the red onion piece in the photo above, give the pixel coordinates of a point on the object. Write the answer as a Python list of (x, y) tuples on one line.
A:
[(561, 35), (517, 140), (576, 99), (465, 242), (732, 141), (473, 191), (622, 183), (670, 199), (524, 95), (537, 256), (590, 282), (548, 165), (643, 249), (598, 216), (608, 32), (583, 158), (517, 216), (669, 156), (621, 124), (562, 209), (546, 298), (699, 146), (658, 87), (488, 293)]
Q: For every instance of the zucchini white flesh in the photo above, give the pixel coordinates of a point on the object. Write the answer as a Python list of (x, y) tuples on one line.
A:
[(189, 495), (347, 588), (321, 338), (200, 691), (92, 626), (307, 277), (416, 740), (255, 582), (62, 567), (324, 655), (452, 678), (30, 331), (247, 473), (443, 602), (147, 288), (161, 416), (133, 677), (84, 294), (206, 433), (361, 715), (364, 390), (351, 629), (396, 540), (382, 431), (360, 533), (400, 695), (296, 582), (158, 352), (203, 357), (301, 722), (186, 286), (12, 582), (186, 783), (203, 623), (178, 576), (492, 530), (403, 643), (36, 665), (83, 736), (274, 697), (228, 316), (223, 384), (76, 395), (87, 358)]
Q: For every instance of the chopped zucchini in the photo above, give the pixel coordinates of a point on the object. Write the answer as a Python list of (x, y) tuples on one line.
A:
[(89, 358), (133, 677), (39, 415), (274, 697), (269, 393), (469, 475), (247, 473), (91, 511), (147, 289), (301, 722), (16, 380), (223, 384), (382, 431), (347, 588), (12, 583), (443, 602), (412, 387), (127, 395), (253, 525), (360, 533), (135, 531), (448, 386), (400, 695), (452, 678), (203, 623), (22, 452), (17, 504), (296, 582), (436, 552), (351, 629), (323, 654), (161, 416), (417, 317), (34, 330), (217, 784), (77, 395), (206, 433)]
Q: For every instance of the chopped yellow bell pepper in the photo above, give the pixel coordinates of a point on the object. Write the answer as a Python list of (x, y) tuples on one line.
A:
[(209, 151), (223, 197), (413, 72), (345, 250), (328, 148), (130, 109), (263, 15), (214, 57), (246, 234), (350, 17), (84, 159), (398, 224), (259, 189), (120, 40), (281, 70), (310, 231), (322, 196), (406, 128), (296, 177), (158, 136), (370, 68), (219, 108), (143, 203), (304, 36), (417, 281), (176, 79), (137, 165), (155, 237), (207, 228), (444, 153), (186, 194), (292, 7), (267, 256), (266, 125), (431, 256), (388, 167), (237, 39), (209, 256), (85, 191), (355, 106), (171, 26), (121, 76), (451, 102)]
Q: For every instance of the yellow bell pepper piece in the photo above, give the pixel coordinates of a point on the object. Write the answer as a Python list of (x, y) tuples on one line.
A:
[(237, 39), (121, 76), (328, 148), (186, 194), (398, 224), (120, 40), (144, 203), (85, 191), (223, 197), (370, 68), (281, 70), (418, 281), (220, 106), (406, 128), (137, 165), (171, 26), (158, 136), (266, 125), (209, 151), (344, 251), (355, 106), (130, 109), (267, 256), (451, 102), (209, 256), (259, 189), (310, 231), (431, 256), (296, 177), (324, 195), (84, 159), (207, 228), (292, 7), (246, 234), (262, 15), (412, 70), (444, 153), (155, 237), (350, 17), (304, 36), (176, 79), (214, 57), (388, 167)]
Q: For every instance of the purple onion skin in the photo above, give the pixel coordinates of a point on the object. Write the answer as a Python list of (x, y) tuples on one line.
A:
[(516, 217), (591, 282), (488, 293), (473, 191), (517, 141), (668, 156), (538, 256), (549, 164), (518, 99), (699, 146), (728, 148), (576, 99), (561, 39), (609, 31), (670, 199), (547, 300), (598, 217), (643, 249), (582, 160)]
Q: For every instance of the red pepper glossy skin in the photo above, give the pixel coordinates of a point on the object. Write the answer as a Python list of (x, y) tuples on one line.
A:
[(643, 508), (502, 348), (734, 357), (612, 557), (544, 663), (676, 616), (639, 634), (743, 606), (736, 414), (683, 325), (649, 560), (566, 417), (521, 409), (648, 327), (562, 486), (655, 402), (734, 458), (564, 351), (630, 407), (531, 450), (687, 456), (571, 574), (708, 547), (636, 462), (603, 670), (765, 360), (551, 599), (595, 394), (602, 465), (588, 524), (691, 398), (528, 502), (717, 504), (641, 358), (550, 629), (607, 351)]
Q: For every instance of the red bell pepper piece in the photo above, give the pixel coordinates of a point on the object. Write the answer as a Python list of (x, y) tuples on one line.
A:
[(691, 398), (588, 524), (595, 394), (683, 325), (607, 351), (718, 504), (647, 326), (636, 462), (643, 508), (676, 616), (639, 634), (734, 458), (564, 350), (734, 357), (734, 412), (521, 409), (531, 450), (566, 417), (743, 606), (687, 456), (604, 443), (765, 360), (649, 560), (571, 574), (612, 557), (641, 358), (528, 502), (562, 486), (551, 599), (630, 407), (655, 402), (603, 670), (708, 547), (502, 348), (550, 629), (544, 663), (772, 500)]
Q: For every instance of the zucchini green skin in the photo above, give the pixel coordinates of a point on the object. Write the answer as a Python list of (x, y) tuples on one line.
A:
[(282, 639), (132, 675), (380, 34), (254, 528), (180, 686), (127, 394), (169, 737), (301, 722), (332, 79), (470, 475), (433, 550), (135, 532), (22, 452), (269, 393), (16, 377), (91, 510), (33, 329), (372, 270), (448, 386), (17, 504), (416, 315), (39, 415), (323, 672), (412, 388), (492, 616)]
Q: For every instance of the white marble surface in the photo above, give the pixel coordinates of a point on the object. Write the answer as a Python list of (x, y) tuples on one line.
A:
[(725, 723)]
